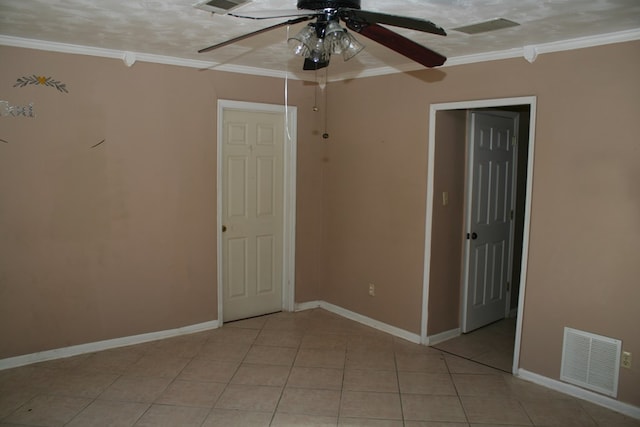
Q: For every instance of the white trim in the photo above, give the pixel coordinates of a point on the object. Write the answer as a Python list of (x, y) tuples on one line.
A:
[(289, 196), (443, 336), (524, 258), (376, 324), (60, 353), (431, 162), (580, 393), (309, 305), (100, 52), (520, 52), (290, 192), (401, 333), (464, 105), (219, 138), (524, 52), (585, 42), (139, 56)]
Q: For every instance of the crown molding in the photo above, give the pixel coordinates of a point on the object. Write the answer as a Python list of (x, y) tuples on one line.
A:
[(101, 52), (559, 46), (523, 52), (137, 57), (529, 53)]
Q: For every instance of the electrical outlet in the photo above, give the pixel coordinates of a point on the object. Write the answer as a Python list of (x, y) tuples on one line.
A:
[(626, 360), (372, 289)]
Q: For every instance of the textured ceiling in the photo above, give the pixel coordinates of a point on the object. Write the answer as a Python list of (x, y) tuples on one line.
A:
[(174, 28)]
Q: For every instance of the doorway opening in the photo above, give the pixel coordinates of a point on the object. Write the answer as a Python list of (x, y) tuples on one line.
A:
[(447, 246), (256, 176)]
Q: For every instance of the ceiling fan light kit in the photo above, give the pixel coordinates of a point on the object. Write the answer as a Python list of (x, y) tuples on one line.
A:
[(318, 40)]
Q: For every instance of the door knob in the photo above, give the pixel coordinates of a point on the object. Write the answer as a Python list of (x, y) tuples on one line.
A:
[(474, 235), (224, 228)]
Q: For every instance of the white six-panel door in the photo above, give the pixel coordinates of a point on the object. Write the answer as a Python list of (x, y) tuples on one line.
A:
[(489, 218), (252, 213)]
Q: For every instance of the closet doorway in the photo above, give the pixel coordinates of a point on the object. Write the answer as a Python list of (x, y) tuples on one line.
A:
[(449, 237)]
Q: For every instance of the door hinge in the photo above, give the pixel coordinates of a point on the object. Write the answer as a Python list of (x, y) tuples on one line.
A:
[(508, 286), (514, 140), (511, 215)]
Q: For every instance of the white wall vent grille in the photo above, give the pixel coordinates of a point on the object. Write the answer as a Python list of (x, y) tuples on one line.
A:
[(591, 361)]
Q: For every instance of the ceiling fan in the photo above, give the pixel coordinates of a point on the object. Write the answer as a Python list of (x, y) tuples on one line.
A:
[(318, 40)]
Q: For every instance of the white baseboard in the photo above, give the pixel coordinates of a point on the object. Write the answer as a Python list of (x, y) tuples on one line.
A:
[(309, 305), (443, 336), (580, 393), (400, 333), (60, 353)]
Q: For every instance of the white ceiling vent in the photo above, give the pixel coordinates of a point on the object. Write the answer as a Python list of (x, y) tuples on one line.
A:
[(591, 361), (220, 6)]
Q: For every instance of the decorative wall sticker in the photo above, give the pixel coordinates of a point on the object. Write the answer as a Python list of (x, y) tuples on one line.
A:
[(94, 146), (8, 110), (3, 140), (41, 81)]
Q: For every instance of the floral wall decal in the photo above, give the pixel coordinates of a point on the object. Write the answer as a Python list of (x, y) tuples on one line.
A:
[(41, 81)]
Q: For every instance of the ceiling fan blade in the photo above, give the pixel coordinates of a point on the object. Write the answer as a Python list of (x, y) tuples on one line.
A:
[(400, 44), (255, 33), (366, 17), (270, 14)]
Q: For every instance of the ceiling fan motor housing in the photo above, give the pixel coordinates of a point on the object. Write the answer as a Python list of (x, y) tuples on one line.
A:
[(328, 4)]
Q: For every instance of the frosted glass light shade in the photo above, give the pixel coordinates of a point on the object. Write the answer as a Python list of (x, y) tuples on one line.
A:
[(302, 43)]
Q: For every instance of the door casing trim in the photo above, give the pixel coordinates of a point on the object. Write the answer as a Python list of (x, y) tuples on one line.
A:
[(467, 105), (289, 196)]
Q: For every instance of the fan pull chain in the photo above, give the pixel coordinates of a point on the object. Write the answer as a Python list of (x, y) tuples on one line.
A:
[(325, 135), (315, 94)]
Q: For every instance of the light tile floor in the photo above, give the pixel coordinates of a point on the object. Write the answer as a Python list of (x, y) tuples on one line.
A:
[(491, 345), (311, 368)]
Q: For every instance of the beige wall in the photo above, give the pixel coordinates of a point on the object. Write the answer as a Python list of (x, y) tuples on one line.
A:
[(374, 210), (584, 249), (120, 239)]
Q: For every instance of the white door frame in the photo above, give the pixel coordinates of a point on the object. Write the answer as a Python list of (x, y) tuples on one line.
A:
[(466, 105), (289, 196)]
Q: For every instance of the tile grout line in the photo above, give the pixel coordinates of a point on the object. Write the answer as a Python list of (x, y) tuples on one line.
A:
[(455, 387), (344, 371), (253, 342), (471, 360), (395, 362), (275, 409), (213, 406)]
